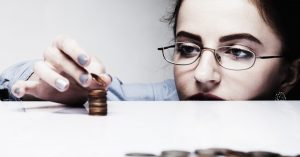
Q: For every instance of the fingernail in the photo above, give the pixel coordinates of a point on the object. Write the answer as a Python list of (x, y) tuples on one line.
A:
[(83, 59), (61, 84), (17, 91), (84, 79)]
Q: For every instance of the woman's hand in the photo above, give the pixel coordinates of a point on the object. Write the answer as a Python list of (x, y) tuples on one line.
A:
[(64, 76)]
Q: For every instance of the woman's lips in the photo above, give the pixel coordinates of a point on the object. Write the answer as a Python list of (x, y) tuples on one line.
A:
[(204, 96)]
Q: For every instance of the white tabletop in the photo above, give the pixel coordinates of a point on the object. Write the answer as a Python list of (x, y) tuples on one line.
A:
[(42, 129)]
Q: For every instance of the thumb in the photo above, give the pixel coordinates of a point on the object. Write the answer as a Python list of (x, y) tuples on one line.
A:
[(21, 88), (107, 79)]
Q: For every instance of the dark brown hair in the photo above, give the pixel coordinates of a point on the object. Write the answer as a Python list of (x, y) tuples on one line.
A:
[(282, 16)]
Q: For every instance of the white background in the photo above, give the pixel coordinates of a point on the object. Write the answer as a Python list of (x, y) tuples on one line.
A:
[(124, 34)]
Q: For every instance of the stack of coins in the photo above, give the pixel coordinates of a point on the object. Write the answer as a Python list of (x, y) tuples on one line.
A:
[(97, 98)]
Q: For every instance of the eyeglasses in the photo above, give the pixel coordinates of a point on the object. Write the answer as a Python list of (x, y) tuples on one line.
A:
[(236, 57)]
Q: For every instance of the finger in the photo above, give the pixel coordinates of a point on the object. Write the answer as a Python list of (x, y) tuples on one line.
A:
[(72, 49), (18, 89), (62, 63), (51, 77), (21, 88), (97, 68), (107, 79)]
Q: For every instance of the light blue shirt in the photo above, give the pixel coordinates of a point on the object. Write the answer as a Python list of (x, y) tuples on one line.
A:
[(165, 90)]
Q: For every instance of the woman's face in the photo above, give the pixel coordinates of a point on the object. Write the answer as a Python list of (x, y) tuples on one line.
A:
[(216, 23)]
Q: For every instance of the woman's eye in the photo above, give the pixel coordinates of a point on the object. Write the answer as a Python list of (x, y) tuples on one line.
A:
[(187, 50), (239, 53)]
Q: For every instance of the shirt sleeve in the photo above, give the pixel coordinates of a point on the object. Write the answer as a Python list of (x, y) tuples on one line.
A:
[(20, 71), (165, 90)]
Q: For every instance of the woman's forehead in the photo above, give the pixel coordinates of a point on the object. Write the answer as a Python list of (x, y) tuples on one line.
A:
[(238, 15), (215, 18)]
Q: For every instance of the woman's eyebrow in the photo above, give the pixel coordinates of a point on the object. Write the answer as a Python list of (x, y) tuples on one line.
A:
[(240, 36), (189, 35)]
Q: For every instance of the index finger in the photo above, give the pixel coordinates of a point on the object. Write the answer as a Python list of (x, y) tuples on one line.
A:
[(70, 47)]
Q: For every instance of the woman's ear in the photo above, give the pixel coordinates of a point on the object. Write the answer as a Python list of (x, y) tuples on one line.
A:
[(292, 77)]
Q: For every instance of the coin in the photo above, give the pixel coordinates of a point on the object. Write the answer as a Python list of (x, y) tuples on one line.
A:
[(263, 154), (97, 93), (97, 99), (102, 105), (140, 155), (99, 80), (97, 113), (212, 152), (175, 153)]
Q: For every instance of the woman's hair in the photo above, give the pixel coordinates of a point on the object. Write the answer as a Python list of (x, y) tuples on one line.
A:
[(282, 16)]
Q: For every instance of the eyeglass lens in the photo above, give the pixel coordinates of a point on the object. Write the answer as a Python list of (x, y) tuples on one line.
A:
[(231, 57)]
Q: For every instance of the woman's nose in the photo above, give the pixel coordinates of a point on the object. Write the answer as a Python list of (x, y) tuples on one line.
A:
[(207, 71)]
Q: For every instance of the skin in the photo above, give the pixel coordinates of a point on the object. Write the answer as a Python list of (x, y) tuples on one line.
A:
[(212, 19), (61, 63)]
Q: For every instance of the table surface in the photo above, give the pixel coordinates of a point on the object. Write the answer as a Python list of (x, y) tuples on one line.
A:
[(42, 129)]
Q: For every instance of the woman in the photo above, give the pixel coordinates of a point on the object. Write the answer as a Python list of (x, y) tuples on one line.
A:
[(242, 30), (224, 50)]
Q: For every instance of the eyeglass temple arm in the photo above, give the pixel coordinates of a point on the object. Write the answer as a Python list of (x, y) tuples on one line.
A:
[(163, 48), (266, 57)]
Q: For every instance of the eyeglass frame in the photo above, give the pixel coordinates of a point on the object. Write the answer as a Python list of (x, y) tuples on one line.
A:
[(214, 52)]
